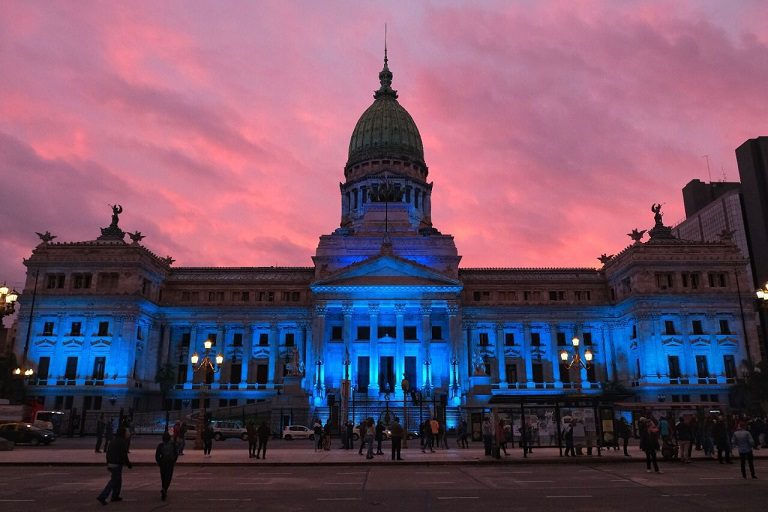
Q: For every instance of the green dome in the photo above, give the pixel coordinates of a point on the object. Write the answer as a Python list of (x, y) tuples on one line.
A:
[(386, 129)]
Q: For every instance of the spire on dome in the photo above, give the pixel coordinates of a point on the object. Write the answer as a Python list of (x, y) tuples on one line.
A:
[(385, 76)]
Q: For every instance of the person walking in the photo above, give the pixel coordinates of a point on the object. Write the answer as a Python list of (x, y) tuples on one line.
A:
[(434, 434), (317, 429), (343, 434), (649, 443), (624, 432), (684, 438), (207, 440), (744, 442), (379, 435), (461, 438), (720, 435), (501, 438), (362, 428), (370, 433), (570, 450), (117, 457), (487, 430), (327, 436), (165, 456), (108, 434), (101, 425), (350, 436), (397, 438), (263, 433), (250, 430)]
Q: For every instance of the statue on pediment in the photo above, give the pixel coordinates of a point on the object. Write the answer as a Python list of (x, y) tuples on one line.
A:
[(45, 237), (478, 363)]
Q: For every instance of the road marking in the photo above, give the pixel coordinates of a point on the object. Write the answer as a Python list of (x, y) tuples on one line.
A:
[(51, 474), (458, 497), (342, 483), (338, 499), (354, 473), (571, 496), (620, 480), (229, 499), (15, 501), (717, 478), (433, 472), (254, 483), (534, 481)]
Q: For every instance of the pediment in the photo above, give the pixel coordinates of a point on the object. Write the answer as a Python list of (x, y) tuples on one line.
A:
[(728, 342), (386, 270), (73, 343), (101, 343), (512, 352), (672, 342), (45, 342), (700, 342), (260, 353)]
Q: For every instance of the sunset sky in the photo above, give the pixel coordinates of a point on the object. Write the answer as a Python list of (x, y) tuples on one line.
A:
[(222, 127)]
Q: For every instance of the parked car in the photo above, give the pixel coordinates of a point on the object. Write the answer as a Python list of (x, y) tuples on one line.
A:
[(298, 432), (26, 433), (221, 430), (412, 434)]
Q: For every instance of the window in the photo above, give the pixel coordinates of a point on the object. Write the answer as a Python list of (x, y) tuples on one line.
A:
[(99, 364), (561, 339), (535, 339), (75, 330), (674, 367), (696, 327), (557, 295), (181, 374), (237, 339), (481, 296), (592, 373), (387, 331), (565, 372), (81, 281), (295, 296), (262, 373), (729, 366), (241, 296), (587, 338), (42, 368), (582, 295), (509, 338), (286, 296), (724, 327), (336, 333), (409, 332), (483, 339), (263, 339), (139, 333), (48, 328), (437, 332), (717, 279), (185, 339), (669, 327), (212, 337), (702, 369), (289, 339), (215, 296), (363, 333), (664, 280), (538, 372), (511, 372), (71, 369), (690, 279), (634, 331), (235, 372), (103, 329), (146, 287), (54, 281)]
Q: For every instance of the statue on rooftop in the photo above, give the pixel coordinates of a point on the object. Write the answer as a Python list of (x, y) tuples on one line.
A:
[(116, 211), (636, 235), (46, 237), (656, 209)]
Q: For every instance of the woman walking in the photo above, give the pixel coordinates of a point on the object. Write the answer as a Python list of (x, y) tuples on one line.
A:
[(165, 456), (649, 443), (207, 440)]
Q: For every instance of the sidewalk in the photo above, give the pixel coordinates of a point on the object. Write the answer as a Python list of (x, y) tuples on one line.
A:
[(282, 453)]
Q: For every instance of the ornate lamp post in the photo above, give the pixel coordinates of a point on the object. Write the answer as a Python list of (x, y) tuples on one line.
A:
[(428, 383), (208, 366), (576, 359), (762, 293), (406, 387), (8, 298), (455, 386)]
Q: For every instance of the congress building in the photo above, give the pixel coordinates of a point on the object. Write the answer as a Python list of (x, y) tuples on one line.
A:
[(386, 320)]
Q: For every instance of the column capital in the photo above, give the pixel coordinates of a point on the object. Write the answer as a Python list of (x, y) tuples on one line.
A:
[(425, 308), (399, 309), (320, 309), (374, 308), (453, 309), (347, 308)]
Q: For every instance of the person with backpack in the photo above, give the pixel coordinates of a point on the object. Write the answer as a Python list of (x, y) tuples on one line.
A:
[(165, 456)]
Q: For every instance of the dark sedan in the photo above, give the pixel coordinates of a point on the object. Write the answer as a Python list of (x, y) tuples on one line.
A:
[(26, 433)]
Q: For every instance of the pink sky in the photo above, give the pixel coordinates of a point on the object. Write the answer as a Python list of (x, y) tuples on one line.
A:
[(222, 127)]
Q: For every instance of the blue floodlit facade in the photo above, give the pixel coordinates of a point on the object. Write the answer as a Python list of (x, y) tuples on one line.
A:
[(385, 299)]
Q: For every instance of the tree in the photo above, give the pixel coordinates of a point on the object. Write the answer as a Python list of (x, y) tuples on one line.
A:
[(166, 377), (751, 393)]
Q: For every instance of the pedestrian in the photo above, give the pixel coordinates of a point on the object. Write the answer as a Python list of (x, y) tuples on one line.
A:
[(744, 442), (570, 451), (487, 430), (461, 438), (379, 435), (624, 433), (442, 437), (370, 433), (434, 431), (180, 436), (363, 426), (684, 438), (327, 436), (397, 439), (344, 436), (108, 434), (252, 437), (207, 440), (501, 438), (165, 456), (101, 425), (350, 435), (649, 443), (117, 457), (317, 428), (720, 435), (578, 435), (263, 432)]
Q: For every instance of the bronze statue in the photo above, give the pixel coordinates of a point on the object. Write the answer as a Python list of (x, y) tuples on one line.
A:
[(136, 236), (116, 210), (605, 258), (656, 209)]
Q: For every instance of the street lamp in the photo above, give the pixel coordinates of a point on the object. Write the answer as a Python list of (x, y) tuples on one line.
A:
[(455, 386), (576, 359), (208, 366), (762, 293), (8, 298), (428, 383)]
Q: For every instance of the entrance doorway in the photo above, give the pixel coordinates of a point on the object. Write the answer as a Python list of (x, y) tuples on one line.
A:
[(386, 374), (363, 377)]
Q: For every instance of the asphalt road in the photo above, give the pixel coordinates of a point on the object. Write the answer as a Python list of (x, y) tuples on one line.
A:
[(539, 487)]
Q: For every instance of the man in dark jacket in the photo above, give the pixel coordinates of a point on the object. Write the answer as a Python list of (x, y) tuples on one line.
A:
[(165, 456), (251, 429), (379, 436), (263, 432), (117, 457), (397, 439)]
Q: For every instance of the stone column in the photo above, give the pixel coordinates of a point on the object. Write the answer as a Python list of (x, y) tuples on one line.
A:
[(373, 350), (192, 350), (347, 310), (456, 349), (528, 355), (500, 357), (247, 355), (426, 349), (274, 352), (221, 343), (399, 349), (165, 343), (318, 347)]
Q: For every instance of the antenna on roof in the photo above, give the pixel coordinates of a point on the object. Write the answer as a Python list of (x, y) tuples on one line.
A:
[(385, 43), (709, 173)]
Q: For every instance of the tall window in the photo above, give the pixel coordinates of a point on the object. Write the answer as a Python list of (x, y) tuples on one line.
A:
[(103, 329), (75, 330), (592, 373), (483, 339), (71, 369), (717, 279), (43, 367), (263, 339), (181, 374), (409, 332), (587, 338), (81, 281), (48, 328), (669, 327), (565, 372), (54, 281), (664, 280), (729, 365), (674, 367), (724, 327), (336, 333), (511, 372), (509, 338), (535, 339), (696, 327), (561, 339), (437, 332), (289, 339), (235, 372), (702, 368), (538, 372), (99, 364), (363, 333), (237, 339)]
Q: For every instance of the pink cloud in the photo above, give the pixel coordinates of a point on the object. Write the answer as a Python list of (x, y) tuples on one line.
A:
[(549, 127)]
